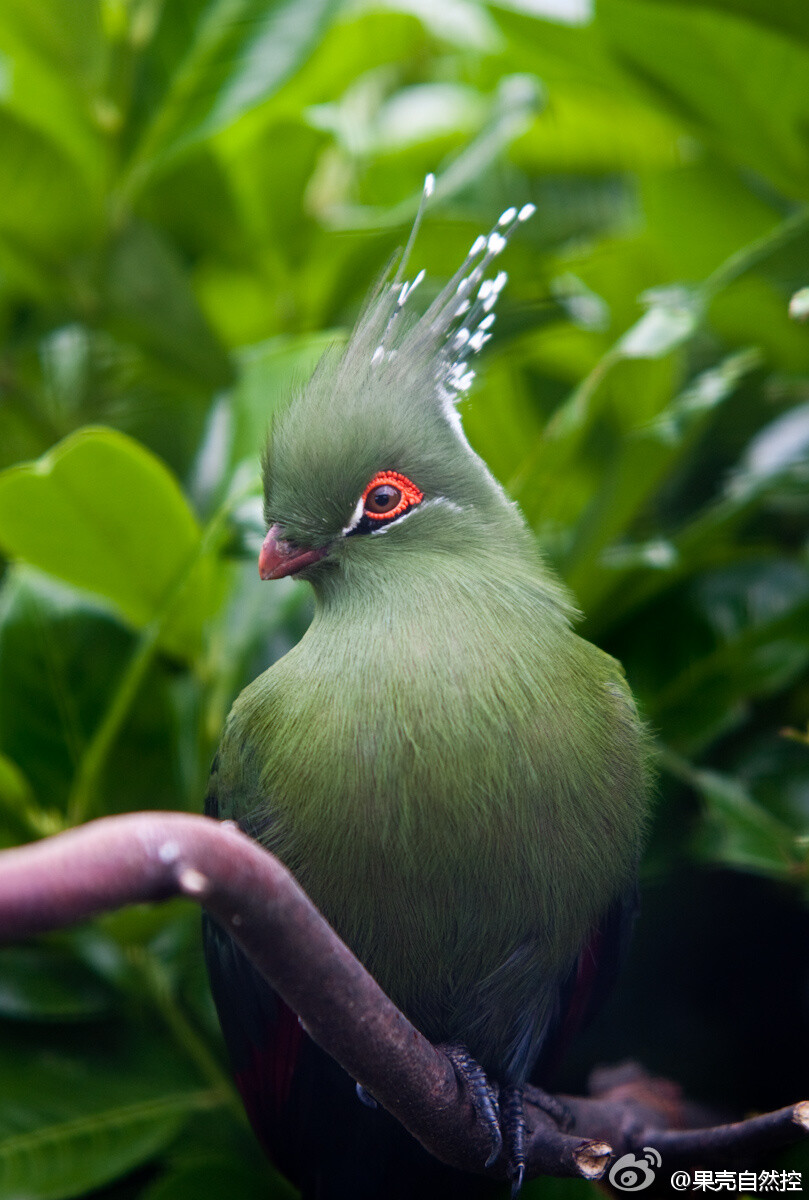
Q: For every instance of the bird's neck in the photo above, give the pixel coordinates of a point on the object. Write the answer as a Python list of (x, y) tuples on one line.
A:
[(484, 568)]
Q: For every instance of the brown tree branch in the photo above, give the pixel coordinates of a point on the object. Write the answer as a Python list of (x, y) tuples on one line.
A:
[(153, 856)]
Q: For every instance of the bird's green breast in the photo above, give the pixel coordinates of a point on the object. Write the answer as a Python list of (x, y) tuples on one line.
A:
[(456, 780)]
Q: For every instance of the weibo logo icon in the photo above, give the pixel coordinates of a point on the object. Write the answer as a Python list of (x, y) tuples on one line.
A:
[(631, 1174)]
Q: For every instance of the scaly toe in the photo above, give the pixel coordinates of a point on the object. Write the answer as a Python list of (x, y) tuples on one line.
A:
[(559, 1113), (513, 1126), (484, 1096)]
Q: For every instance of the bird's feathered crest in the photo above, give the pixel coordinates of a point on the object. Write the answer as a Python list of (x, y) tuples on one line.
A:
[(387, 400), (457, 324)]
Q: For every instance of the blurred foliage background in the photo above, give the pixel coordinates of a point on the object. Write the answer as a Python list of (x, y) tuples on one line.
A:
[(195, 198)]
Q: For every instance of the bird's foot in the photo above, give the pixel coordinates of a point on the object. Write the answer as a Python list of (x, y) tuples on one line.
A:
[(558, 1112), (502, 1110), (483, 1093), (512, 1124)]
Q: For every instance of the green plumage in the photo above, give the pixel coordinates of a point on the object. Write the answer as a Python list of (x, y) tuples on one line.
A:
[(454, 776)]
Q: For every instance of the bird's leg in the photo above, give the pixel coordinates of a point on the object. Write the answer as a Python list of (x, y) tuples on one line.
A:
[(503, 1111), (512, 1123), (484, 1096)]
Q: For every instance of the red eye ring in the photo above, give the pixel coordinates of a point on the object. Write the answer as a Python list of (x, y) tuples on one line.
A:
[(409, 494)]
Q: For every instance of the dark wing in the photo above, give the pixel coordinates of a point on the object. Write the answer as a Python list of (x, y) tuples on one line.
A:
[(590, 981), (263, 1037)]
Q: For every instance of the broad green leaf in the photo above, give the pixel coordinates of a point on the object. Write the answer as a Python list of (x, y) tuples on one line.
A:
[(356, 42), (515, 101), (415, 114), (79, 1111), (774, 767), (740, 85), (597, 130), (644, 457), (239, 54), (701, 214), (753, 311), (48, 52), (753, 642), (240, 424), (778, 447), (102, 513), (738, 832), (268, 376), (19, 815), (39, 983), (670, 320), (148, 300), (788, 16), (15, 790), (66, 1158), (45, 205), (61, 661), (701, 397)]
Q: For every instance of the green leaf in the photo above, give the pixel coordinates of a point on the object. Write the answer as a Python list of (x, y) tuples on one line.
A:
[(239, 53), (268, 375), (643, 459), (239, 425), (39, 983), (780, 448), (61, 661), (596, 130), (671, 319), (66, 1158), (79, 1111), (738, 832), (739, 85), (789, 16), (148, 299), (102, 513), (753, 641), (44, 202), (15, 790), (19, 817), (50, 59)]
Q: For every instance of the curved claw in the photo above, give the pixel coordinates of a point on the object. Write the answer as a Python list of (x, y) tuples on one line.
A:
[(365, 1097), (517, 1180), (497, 1147)]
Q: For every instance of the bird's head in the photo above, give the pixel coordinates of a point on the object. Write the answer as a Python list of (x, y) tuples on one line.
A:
[(370, 457)]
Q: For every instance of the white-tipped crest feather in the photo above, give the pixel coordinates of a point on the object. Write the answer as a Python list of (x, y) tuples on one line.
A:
[(458, 322)]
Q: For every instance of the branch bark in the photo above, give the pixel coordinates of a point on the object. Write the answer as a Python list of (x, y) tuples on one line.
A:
[(141, 857)]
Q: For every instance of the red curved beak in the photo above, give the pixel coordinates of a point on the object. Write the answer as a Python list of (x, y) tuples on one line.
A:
[(279, 557)]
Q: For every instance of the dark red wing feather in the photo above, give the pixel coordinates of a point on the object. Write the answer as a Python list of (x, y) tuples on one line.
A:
[(590, 982)]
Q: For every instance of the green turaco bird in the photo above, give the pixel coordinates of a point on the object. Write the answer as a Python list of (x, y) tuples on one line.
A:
[(454, 776)]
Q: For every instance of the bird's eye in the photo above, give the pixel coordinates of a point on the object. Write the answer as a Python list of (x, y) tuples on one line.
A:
[(382, 499), (389, 495)]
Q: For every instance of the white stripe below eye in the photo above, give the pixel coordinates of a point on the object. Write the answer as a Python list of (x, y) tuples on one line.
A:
[(434, 503)]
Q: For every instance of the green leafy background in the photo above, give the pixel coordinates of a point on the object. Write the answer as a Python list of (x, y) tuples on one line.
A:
[(195, 197)]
